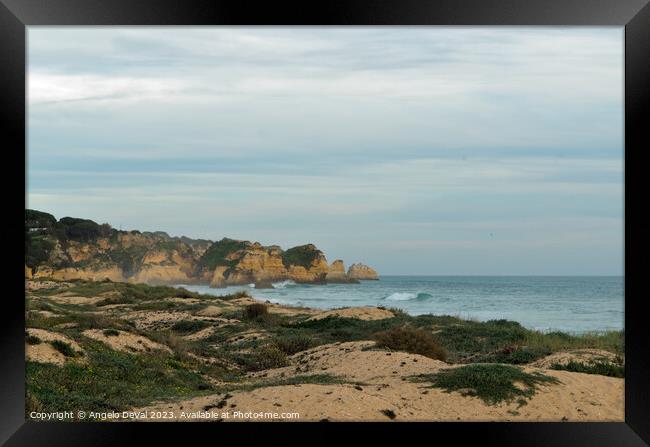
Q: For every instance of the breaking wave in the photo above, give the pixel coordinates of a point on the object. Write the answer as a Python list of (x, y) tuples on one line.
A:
[(408, 296), (284, 284)]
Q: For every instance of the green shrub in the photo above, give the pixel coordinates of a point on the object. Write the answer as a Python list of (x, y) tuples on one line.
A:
[(188, 326), (32, 340), (469, 338), (95, 321), (302, 255), (413, 340), (492, 383), (121, 299), (292, 344), (110, 332), (145, 292), (601, 368), (514, 355), (236, 295), (215, 255), (255, 310), (268, 357), (64, 348), (184, 293), (179, 346)]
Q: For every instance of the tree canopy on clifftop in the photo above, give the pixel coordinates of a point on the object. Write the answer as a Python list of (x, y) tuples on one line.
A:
[(215, 255), (302, 255)]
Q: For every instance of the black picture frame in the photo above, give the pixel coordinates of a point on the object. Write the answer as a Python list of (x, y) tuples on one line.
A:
[(634, 15)]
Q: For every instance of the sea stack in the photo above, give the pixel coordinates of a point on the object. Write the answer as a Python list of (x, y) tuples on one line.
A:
[(336, 273), (362, 271)]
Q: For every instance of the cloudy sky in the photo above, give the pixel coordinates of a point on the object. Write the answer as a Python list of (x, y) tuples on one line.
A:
[(418, 150)]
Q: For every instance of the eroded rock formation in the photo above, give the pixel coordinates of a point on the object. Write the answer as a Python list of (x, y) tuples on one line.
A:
[(362, 271), (74, 248), (336, 273)]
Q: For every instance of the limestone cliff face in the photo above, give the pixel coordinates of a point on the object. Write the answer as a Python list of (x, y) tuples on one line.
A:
[(73, 248), (362, 271), (260, 265), (70, 273), (119, 256), (161, 274), (218, 277)]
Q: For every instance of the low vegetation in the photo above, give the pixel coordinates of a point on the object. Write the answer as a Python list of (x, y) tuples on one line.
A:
[(216, 254), (302, 255), (267, 357), (65, 348), (255, 311), (189, 326), (109, 379), (316, 379), (32, 340), (602, 368), (292, 344), (413, 340), (492, 383), (112, 380)]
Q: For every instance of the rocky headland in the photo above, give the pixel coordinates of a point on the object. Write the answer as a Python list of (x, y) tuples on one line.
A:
[(73, 248)]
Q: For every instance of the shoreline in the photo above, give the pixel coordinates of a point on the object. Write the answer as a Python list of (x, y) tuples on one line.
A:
[(324, 299)]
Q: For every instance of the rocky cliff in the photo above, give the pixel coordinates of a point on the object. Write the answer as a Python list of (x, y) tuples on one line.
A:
[(362, 271), (72, 248), (336, 273)]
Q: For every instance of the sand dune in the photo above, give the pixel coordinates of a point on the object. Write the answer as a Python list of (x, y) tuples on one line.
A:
[(379, 388)]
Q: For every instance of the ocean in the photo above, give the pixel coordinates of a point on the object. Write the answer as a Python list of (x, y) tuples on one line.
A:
[(575, 304)]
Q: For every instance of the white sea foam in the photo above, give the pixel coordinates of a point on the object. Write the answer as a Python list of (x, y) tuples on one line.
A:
[(407, 296), (283, 284)]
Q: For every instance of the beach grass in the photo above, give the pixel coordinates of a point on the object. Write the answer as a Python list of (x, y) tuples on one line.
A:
[(613, 341), (413, 340), (601, 368), (292, 344), (255, 311)]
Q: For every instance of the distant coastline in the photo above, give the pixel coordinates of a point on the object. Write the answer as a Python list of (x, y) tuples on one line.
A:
[(75, 248)]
